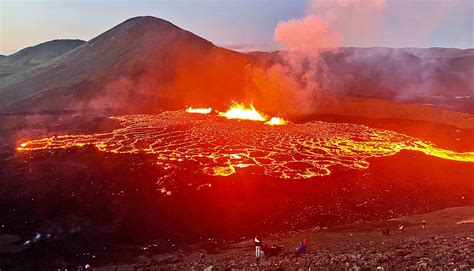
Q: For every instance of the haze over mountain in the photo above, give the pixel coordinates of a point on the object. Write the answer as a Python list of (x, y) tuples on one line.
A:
[(146, 64), (436, 76), (35, 55)]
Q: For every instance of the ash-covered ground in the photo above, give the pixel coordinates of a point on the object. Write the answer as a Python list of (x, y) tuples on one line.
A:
[(84, 205), (446, 243)]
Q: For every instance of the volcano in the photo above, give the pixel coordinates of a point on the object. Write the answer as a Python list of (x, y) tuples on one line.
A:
[(145, 62), (122, 144), (148, 65)]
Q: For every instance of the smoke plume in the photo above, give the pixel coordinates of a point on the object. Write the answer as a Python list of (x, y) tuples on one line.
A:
[(290, 86), (307, 34)]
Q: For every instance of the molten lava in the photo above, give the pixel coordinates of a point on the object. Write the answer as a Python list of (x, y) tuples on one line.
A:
[(239, 111), (199, 110), (276, 121), (221, 147)]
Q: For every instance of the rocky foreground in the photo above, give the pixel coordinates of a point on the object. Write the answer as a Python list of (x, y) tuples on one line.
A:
[(447, 243), (445, 251)]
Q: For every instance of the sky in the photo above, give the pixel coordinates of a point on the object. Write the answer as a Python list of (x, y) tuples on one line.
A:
[(243, 25)]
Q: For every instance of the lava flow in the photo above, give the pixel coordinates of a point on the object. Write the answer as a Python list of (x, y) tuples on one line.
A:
[(219, 146)]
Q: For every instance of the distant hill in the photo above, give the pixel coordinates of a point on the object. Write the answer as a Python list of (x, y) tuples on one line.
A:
[(440, 77), (147, 64), (35, 55)]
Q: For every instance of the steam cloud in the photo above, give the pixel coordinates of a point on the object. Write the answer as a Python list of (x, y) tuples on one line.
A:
[(311, 66), (307, 34), (290, 86)]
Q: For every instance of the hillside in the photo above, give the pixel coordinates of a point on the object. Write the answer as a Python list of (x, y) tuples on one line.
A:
[(439, 77), (145, 62), (434, 77), (35, 55)]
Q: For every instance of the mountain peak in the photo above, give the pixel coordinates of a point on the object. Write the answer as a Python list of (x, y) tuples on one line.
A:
[(148, 20), (148, 30)]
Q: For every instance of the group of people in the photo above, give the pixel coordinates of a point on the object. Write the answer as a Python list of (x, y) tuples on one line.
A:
[(302, 247), (87, 267), (262, 249)]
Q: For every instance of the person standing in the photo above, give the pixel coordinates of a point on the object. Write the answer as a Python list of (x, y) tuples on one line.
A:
[(258, 247), (401, 227), (302, 248)]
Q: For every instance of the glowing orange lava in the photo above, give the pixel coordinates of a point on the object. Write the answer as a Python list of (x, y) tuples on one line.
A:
[(221, 147), (199, 110), (276, 121), (239, 111)]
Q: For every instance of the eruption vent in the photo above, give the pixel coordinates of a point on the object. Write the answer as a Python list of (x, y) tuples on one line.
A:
[(276, 121), (239, 111), (199, 110)]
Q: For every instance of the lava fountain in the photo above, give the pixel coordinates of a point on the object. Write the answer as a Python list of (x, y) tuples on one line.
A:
[(219, 146), (240, 111), (199, 110), (276, 121)]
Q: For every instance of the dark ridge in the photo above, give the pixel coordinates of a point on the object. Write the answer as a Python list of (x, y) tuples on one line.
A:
[(42, 52)]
